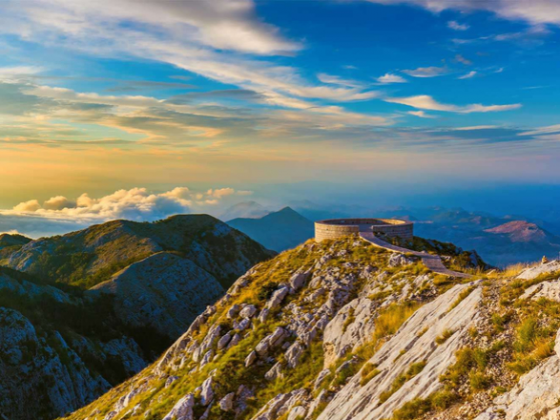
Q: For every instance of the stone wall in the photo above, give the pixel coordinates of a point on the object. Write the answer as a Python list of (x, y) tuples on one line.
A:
[(337, 228)]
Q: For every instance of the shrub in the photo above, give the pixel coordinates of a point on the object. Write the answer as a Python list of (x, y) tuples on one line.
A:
[(478, 381), (369, 371), (444, 336)]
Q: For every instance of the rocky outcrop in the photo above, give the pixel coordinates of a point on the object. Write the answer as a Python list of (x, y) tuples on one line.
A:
[(56, 379), (547, 289), (534, 397), (163, 291), (415, 342), (533, 272), (303, 319)]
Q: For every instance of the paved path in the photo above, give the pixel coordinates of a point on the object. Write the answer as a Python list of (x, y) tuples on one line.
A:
[(433, 262)]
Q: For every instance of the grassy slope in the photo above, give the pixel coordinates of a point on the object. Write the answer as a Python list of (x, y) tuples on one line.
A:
[(230, 369), (88, 257)]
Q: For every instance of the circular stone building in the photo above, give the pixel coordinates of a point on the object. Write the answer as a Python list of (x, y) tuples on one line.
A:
[(337, 228)]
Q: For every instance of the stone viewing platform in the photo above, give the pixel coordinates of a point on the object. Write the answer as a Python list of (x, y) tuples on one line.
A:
[(337, 228)]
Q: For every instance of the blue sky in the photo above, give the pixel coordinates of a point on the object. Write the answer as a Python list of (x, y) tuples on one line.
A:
[(101, 96)]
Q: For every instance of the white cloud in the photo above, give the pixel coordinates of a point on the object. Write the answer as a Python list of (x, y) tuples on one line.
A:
[(220, 24), (469, 75), (134, 204), (10, 232), (420, 114), (391, 78), (214, 39), (428, 103), (336, 80), (453, 24), (475, 127), (427, 71), (533, 11), (551, 129), (27, 206), (58, 203), (221, 192)]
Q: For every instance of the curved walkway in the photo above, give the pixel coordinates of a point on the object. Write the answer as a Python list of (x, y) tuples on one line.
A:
[(433, 262)]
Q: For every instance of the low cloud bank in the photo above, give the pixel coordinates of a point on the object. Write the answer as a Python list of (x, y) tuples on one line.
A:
[(60, 214)]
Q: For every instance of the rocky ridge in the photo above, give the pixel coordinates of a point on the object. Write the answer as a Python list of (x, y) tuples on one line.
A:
[(327, 331), (151, 280)]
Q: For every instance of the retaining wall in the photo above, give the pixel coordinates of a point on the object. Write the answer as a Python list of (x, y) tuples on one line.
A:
[(337, 228)]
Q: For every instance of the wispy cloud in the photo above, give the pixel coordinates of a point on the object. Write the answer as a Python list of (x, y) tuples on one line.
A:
[(391, 78), (469, 75), (453, 24), (420, 114), (427, 71), (336, 80), (428, 103), (536, 12)]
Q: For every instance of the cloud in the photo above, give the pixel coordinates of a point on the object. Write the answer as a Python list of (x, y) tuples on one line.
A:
[(27, 206), (135, 204), (221, 192), (420, 114), (336, 80), (58, 203), (469, 75), (453, 24), (391, 78), (536, 12), (460, 59), (428, 103), (427, 71), (220, 24)]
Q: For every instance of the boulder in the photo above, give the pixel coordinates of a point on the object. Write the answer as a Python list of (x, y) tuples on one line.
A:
[(226, 403), (222, 342), (398, 260), (206, 393), (248, 311), (251, 358), (298, 280), (183, 410), (233, 311), (294, 353), (277, 298)]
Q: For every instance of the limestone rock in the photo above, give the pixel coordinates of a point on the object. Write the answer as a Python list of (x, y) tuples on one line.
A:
[(534, 397), (398, 260), (362, 402), (226, 403), (207, 393), (251, 358), (298, 280), (233, 311), (248, 311), (183, 410), (274, 372), (163, 291), (277, 298), (222, 342), (535, 271), (547, 289), (294, 353), (349, 329)]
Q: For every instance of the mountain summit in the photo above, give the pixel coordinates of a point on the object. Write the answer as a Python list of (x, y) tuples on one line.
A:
[(281, 230)]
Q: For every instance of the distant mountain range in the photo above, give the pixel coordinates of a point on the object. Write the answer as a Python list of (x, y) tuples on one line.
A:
[(281, 230), (499, 240)]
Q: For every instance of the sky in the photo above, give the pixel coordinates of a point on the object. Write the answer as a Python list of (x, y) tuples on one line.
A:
[(135, 109)]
